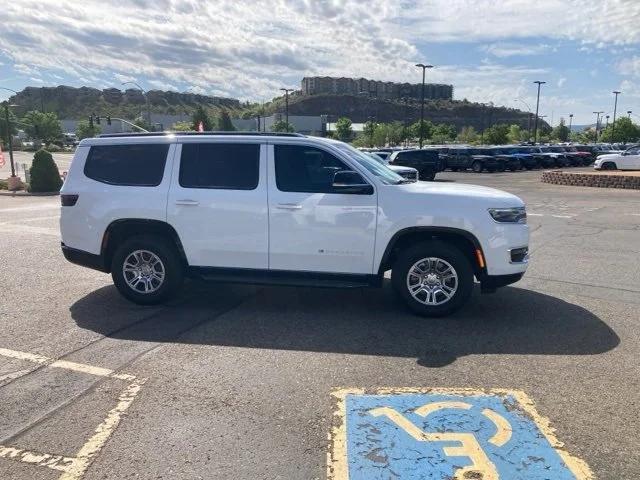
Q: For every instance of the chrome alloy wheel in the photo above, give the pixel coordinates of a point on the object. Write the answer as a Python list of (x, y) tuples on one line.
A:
[(432, 281), (143, 271)]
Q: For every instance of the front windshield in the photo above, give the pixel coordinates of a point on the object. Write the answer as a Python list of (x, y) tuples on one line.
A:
[(384, 173), (377, 158)]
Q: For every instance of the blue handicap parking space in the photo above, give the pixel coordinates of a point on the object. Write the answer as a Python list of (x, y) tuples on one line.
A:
[(446, 434)]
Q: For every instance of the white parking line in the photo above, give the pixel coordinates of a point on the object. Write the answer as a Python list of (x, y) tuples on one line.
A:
[(73, 468)]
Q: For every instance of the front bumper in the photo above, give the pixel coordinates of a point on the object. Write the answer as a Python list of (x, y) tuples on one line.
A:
[(489, 283)]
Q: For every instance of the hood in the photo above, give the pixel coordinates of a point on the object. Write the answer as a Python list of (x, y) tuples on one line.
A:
[(464, 192), (398, 168), (608, 155)]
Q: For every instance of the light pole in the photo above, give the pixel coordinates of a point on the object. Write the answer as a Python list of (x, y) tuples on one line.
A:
[(8, 130), (597, 123), (424, 69), (146, 99), (286, 104), (535, 126), (615, 108), (606, 125), (570, 122)]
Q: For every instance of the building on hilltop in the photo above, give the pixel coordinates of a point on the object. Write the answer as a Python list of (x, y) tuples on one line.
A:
[(374, 88)]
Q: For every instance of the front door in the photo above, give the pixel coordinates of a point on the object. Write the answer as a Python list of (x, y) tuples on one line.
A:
[(312, 227), (218, 203), (631, 159)]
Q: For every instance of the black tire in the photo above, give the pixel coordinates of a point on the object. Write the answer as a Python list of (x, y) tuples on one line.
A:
[(454, 169), (427, 174), (433, 249), (170, 264), (609, 166), (477, 166), (501, 167)]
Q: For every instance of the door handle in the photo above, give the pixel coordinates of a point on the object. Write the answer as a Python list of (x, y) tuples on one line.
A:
[(289, 206), (187, 202)]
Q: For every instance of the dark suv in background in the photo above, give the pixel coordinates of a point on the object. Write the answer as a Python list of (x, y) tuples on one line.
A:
[(426, 161), (476, 159), (503, 154)]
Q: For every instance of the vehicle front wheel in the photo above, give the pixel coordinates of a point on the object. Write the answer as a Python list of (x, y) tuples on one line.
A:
[(427, 174), (609, 166), (146, 269), (433, 278), (477, 166)]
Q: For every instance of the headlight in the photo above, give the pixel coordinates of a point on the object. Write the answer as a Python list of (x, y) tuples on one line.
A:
[(509, 215)]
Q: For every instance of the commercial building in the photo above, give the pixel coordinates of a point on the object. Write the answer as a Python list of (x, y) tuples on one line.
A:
[(374, 88)]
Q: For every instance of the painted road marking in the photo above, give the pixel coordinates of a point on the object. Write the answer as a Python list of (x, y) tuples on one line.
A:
[(457, 434), (74, 468)]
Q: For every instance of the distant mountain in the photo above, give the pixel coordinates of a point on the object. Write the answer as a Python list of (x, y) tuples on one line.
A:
[(78, 103), (361, 108)]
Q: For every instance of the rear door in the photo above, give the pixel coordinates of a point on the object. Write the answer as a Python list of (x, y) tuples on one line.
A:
[(631, 159), (312, 227), (218, 202)]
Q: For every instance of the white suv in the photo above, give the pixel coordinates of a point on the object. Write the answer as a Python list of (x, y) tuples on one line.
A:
[(281, 209)]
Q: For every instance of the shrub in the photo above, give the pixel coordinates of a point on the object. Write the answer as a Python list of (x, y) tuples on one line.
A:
[(53, 148), (45, 176)]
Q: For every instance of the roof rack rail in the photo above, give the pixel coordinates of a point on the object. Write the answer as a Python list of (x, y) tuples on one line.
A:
[(179, 134)]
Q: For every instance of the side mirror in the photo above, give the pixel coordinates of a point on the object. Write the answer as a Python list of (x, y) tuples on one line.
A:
[(346, 181)]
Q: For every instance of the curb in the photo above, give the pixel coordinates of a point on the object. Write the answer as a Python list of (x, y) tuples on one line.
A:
[(22, 193), (599, 180)]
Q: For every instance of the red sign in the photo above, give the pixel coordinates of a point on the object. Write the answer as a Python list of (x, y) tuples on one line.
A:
[(1, 158)]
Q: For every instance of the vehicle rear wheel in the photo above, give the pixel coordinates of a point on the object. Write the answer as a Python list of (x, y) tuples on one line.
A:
[(146, 269), (433, 278), (477, 166)]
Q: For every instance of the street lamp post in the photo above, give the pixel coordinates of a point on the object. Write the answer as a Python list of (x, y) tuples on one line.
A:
[(424, 69), (570, 122), (529, 119), (615, 108), (286, 104), (146, 99), (606, 125), (535, 126), (597, 123)]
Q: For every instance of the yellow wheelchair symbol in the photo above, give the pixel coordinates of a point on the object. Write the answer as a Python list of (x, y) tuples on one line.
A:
[(481, 467)]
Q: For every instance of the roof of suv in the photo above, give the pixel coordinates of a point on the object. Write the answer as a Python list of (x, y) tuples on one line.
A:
[(171, 137)]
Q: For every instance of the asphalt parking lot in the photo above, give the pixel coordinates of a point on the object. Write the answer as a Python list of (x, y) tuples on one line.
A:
[(236, 381)]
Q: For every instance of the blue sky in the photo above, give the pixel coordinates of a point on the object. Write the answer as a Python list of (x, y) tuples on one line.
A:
[(490, 51)]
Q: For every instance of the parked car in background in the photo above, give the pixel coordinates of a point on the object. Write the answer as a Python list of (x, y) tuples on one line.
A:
[(503, 154), (627, 160), (527, 160), (383, 154), (426, 161), (584, 157), (476, 159), (544, 159), (571, 159), (407, 173)]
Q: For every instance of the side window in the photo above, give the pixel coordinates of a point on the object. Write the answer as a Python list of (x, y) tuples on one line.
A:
[(231, 166), (633, 151), (305, 169), (140, 165)]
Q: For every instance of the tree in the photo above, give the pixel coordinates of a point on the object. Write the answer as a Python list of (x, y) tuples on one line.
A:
[(369, 130), (443, 133), (201, 115), (380, 135), (344, 131), (497, 134), (626, 131), (282, 126), (468, 135), (224, 122), (44, 173), (395, 133), (44, 126), (427, 128), (85, 130), (561, 132), (515, 134), (182, 127), (142, 122)]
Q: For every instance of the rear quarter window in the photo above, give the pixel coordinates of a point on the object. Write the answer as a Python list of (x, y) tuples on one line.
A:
[(140, 165)]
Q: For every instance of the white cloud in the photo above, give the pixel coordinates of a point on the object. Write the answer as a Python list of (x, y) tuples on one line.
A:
[(503, 50), (561, 82), (160, 85), (629, 66)]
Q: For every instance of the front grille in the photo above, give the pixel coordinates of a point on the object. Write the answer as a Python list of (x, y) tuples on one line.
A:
[(409, 175)]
